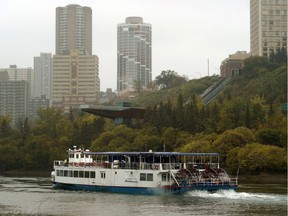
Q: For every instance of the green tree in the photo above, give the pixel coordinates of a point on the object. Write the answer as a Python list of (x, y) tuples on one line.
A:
[(169, 79), (5, 129), (269, 136), (255, 158)]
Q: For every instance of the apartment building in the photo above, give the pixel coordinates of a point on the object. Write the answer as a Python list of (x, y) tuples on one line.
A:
[(268, 26), (134, 54)]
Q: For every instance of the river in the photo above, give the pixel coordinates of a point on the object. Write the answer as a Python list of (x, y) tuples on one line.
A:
[(35, 196)]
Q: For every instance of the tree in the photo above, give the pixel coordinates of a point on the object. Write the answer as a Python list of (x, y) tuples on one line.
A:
[(169, 79), (255, 158), (5, 129), (269, 136), (281, 56)]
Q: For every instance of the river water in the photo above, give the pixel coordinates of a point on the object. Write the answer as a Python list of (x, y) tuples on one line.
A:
[(35, 196)]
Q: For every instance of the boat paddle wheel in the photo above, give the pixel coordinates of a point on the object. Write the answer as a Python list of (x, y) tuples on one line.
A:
[(184, 177)]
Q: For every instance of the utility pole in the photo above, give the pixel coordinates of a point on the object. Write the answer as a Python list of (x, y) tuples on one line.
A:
[(208, 66)]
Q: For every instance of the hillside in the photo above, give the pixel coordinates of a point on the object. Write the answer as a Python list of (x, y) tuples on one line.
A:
[(192, 87), (271, 84)]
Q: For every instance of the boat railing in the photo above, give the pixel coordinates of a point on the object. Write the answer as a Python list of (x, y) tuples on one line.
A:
[(216, 181), (122, 165)]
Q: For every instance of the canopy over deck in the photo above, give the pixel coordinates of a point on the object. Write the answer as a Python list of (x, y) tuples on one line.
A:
[(167, 154)]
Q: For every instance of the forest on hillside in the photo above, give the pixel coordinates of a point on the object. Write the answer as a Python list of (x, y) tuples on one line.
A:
[(246, 124)]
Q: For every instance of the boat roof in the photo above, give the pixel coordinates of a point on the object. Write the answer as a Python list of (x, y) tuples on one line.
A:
[(167, 154)]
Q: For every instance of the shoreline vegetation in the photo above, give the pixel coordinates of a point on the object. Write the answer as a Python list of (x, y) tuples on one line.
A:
[(246, 125)]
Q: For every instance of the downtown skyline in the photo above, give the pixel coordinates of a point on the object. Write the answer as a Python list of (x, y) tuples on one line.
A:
[(185, 34)]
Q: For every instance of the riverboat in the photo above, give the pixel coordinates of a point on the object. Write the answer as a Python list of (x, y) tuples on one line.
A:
[(140, 172)]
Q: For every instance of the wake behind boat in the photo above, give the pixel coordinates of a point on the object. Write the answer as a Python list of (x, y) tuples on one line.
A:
[(141, 172)]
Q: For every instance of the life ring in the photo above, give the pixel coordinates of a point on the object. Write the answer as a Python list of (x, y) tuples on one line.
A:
[(156, 167)]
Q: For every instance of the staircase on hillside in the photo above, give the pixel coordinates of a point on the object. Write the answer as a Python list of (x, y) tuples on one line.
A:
[(211, 92)]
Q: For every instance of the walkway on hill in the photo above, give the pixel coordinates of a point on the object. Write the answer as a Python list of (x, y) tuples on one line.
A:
[(211, 92)]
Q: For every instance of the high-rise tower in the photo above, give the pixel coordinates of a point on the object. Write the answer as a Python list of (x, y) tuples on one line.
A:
[(75, 70), (133, 54), (73, 29), (268, 26), (43, 74)]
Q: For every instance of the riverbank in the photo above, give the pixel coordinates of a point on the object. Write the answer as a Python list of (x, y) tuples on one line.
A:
[(264, 178)]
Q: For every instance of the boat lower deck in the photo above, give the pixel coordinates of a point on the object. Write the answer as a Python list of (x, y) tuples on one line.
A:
[(144, 190)]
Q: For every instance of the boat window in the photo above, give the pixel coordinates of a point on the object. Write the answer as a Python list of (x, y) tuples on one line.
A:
[(81, 174), (146, 177), (76, 173), (150, 177), (103, 175), (70, 173), (65, 173), (164, 177), (92, 174), (61, 173), (86, 174), (142, 176)]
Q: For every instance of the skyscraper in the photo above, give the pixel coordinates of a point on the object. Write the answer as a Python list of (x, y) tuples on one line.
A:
[(268, 26), (133, 54), (14, 98), (43, 75), (75, 70), (73, 29)]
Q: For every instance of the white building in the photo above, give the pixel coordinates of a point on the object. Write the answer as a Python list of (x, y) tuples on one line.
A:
[(134, 54), (43, 75)]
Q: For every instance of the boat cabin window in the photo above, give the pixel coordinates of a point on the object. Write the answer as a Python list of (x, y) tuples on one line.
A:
[(103, 175), (71, 155), (146, 177), (92, 174), (86, 174), (164, 177), (76, 173)]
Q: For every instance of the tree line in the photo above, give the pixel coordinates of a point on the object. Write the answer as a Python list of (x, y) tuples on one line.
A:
[(245, 125)]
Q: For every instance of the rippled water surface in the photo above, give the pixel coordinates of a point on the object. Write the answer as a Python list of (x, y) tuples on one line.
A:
[(35, 196)]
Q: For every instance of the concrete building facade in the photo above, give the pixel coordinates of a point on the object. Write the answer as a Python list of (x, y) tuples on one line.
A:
[(268, 26), (19, 74), (43, 75), (75, 70), (134, 54), (75, 80), (35, 104), (73, 29), (14, 100)]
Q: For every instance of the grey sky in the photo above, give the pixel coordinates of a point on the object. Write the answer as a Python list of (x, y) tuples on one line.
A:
[(185, 33)]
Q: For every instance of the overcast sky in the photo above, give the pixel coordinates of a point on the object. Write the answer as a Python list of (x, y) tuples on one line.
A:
[(185, 33)]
